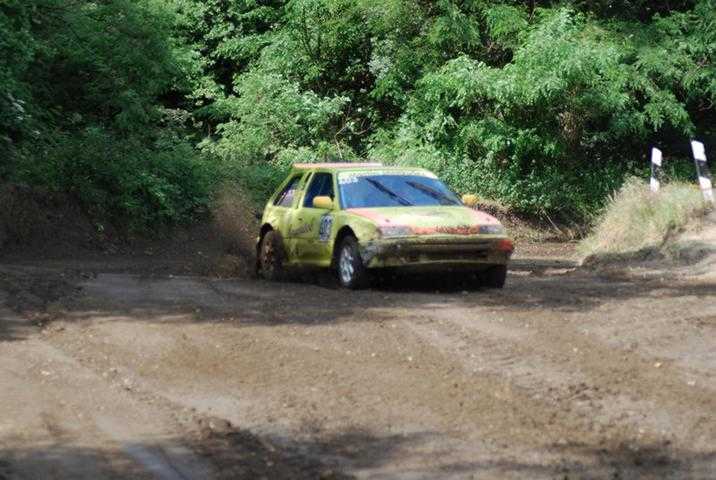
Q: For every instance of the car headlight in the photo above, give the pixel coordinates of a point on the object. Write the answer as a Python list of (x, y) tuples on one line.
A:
[(492, 229), (396, 231)]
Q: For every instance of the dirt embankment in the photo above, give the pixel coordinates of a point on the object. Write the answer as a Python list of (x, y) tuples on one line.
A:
[(697, 249), (689, 254), (32, 218), (36, 225)]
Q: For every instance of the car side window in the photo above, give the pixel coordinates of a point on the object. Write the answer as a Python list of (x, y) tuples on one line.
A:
[(321, 186), (285, 198)]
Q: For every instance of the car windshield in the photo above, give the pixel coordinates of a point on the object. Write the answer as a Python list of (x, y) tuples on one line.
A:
[(393, 190)]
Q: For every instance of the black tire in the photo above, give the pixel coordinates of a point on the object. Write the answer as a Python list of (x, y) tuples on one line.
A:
[(271, 256), (350, 270), (495, 276)]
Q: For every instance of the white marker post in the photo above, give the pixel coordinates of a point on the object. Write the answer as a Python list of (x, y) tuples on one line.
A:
[(656, 158), (702, 170)]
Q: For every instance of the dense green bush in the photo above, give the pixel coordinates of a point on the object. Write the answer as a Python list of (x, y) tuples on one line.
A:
[(556, 128), (123, 180), (85, 82), (141, 107), (545, 106)]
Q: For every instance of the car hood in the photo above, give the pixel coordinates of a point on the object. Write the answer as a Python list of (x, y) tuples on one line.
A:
[(451, 220)]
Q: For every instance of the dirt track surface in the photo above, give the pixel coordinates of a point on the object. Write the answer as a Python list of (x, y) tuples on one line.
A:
[(112, 370)]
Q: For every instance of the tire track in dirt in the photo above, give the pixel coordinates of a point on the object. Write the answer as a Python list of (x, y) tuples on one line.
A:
[(531, 382), (534, 379), (429, 397), (599, 384), (84, 428)]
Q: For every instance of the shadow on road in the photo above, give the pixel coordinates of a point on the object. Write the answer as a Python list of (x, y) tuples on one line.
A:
[(224, 454), (581, 462), (533, 285), (239, 454)]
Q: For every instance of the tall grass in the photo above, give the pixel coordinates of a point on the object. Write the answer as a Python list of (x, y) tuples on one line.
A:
[(636, 221)]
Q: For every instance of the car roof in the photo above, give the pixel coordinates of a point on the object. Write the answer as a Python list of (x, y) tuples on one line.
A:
[(336, 165), (344, 166)]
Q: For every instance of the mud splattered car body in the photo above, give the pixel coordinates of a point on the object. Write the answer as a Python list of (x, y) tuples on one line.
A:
[(389, 217)]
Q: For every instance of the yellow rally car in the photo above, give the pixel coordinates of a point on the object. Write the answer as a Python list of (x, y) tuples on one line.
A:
[(360, 217)]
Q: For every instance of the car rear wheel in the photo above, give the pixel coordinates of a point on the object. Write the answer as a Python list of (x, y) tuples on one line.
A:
[(271, 255), (495, 276), (349, 265)]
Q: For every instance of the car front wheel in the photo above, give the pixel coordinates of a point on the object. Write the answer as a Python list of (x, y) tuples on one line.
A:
[(349, 265)]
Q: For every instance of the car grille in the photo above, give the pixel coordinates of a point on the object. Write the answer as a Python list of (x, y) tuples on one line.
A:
[(444, 251)]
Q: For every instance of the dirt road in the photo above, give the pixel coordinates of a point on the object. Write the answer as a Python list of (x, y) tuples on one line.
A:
[(118, 370)]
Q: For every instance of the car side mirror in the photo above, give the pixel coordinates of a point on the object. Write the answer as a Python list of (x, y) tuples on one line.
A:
[(325, 203), (470, 200)]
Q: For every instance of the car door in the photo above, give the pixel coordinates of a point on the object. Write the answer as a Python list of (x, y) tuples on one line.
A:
[(284, 209), (311, 228)]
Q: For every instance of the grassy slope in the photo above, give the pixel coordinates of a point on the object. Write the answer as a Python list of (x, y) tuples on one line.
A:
[(637, 222)]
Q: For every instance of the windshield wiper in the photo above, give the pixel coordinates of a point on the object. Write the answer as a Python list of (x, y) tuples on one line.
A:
[(389, 192), (439, 196)]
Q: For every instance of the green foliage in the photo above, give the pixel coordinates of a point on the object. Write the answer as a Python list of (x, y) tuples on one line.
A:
[(17, 47), (505, 23), (543, 105), (124, 180), (85, 81), (549, 131), (267, 115)]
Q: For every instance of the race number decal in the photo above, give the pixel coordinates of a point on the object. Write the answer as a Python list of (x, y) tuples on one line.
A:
[(324, 231)]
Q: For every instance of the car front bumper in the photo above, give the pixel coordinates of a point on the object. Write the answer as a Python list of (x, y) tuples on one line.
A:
[(437, 251)]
